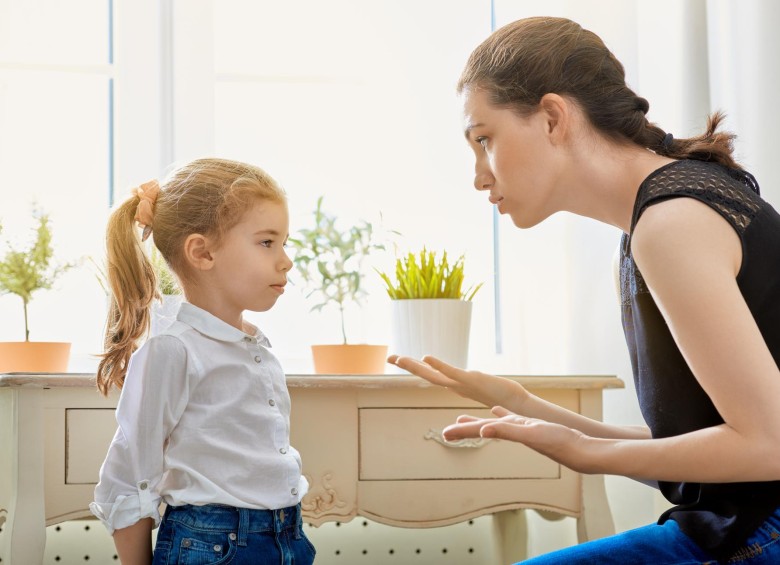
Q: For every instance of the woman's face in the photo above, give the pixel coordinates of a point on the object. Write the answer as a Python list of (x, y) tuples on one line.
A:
[(514, 158)]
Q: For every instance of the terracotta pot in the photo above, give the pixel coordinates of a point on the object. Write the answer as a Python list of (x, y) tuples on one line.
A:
[(349, 359), (34, 356)]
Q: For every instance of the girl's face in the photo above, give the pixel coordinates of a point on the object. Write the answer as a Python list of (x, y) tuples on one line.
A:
[(514, 158), (251, 265)]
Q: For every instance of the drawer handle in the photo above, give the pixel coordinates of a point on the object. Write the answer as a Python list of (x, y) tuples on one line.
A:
[(474, 443)]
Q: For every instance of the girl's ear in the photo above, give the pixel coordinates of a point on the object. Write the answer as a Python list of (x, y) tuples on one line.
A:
[(557, 111), (197, 252)]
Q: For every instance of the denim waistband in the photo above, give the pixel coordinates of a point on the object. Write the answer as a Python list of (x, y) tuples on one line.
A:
[(239, 520)]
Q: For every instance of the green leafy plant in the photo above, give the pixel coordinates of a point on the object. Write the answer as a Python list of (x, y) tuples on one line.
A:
[(166, 281), (25, 271), (330, 260), (426, 276)]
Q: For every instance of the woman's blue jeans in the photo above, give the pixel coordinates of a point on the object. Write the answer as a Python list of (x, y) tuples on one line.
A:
[(665, 545), (216, 534)]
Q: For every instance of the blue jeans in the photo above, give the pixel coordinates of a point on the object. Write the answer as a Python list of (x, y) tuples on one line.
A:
[(217, 534), (665, 545)]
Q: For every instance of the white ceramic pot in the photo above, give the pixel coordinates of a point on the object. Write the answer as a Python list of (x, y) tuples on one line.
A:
[(432, 326), (164, 313)]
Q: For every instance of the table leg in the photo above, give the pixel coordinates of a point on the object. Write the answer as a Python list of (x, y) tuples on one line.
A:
[(596, 519), (21, 477), (510, 529)]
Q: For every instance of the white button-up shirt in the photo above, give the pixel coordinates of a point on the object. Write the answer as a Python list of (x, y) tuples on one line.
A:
[(204, 418)]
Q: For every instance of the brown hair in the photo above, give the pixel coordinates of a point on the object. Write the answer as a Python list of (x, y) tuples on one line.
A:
[(206, 196), (526, 59)]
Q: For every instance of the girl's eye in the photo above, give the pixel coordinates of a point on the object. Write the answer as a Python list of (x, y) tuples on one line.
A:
[(482, 141), (266, 242)]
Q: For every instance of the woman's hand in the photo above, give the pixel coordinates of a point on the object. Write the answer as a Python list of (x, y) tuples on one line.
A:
[(490, 390), (560, 443)]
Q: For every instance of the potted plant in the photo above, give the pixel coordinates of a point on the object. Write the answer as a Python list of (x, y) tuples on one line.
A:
[(166, 307), (330, 262), (431, 311), (165, 310), (24, 272)]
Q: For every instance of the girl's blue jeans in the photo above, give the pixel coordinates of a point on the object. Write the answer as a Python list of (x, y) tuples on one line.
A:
[(217, 534), (665, 545)]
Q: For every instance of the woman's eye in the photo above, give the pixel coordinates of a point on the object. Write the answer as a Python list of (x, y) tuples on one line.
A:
[(266, 242), (482, 141)]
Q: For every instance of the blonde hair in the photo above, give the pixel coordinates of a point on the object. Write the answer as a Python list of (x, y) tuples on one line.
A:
[(207, 197), (524, 60)]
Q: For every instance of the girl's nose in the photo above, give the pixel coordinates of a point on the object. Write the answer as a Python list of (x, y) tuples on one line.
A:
[(286, 263)]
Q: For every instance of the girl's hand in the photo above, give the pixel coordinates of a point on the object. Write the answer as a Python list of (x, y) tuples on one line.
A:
[(560, 443), (490, 390)]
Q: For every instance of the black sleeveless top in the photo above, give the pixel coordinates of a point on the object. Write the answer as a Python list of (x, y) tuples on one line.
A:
[(718, 517)]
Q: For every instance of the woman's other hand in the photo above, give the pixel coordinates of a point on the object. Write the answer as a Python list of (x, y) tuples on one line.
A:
[(558, 442)]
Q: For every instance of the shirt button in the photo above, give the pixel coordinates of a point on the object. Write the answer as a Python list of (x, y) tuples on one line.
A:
[(186, 543), (294, 491), (272, 402), (257, 359), (247, 339), (283, 450), (232, 536), (143, 486)]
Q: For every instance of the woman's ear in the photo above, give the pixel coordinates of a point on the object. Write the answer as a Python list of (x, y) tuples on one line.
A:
[(197, 252), (557, 111)]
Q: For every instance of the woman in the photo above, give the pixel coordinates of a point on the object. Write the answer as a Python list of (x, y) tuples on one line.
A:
[(555, 127)]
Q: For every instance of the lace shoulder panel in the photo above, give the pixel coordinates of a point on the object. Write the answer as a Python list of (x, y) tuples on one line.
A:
[(732, 193)]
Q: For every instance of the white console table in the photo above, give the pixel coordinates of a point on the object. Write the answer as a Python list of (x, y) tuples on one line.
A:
[(371, 446)]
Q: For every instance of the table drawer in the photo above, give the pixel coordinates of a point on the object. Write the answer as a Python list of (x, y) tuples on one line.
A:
[(401, 444)]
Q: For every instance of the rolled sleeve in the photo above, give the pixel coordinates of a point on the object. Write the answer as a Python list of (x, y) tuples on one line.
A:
[(126, 510), (153, 399)]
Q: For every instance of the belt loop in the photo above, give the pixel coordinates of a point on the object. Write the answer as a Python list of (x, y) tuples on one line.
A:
[(243, 526)]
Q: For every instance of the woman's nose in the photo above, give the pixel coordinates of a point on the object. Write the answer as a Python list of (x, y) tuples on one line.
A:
[(483, 181)]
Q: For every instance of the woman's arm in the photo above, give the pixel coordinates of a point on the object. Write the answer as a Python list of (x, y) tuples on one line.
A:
[(134, 543), (491, 390), (689, 257)]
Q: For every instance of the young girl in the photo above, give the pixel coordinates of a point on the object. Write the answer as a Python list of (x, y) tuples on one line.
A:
[(554, 127), (204, 412)]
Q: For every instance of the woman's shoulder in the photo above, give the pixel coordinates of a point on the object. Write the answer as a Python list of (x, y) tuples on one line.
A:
[(730, 192)]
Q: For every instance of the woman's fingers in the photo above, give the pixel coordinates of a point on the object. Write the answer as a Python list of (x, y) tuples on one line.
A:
[(419, 368), (462, 430), (500, 411), (449, 370)]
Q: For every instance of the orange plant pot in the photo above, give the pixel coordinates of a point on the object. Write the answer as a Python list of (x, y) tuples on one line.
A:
[(349, 359), (34, 356)]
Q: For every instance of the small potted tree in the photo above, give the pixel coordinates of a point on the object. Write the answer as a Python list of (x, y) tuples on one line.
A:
[(330, 263), (24, 272), (431, 311)]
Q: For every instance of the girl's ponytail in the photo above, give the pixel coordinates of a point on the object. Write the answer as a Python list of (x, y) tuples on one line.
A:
[(133, 285)]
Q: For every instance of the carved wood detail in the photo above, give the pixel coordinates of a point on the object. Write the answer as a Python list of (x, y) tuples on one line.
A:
[(321, 497)]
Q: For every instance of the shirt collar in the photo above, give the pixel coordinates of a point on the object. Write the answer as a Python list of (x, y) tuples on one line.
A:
[(211, 326)]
